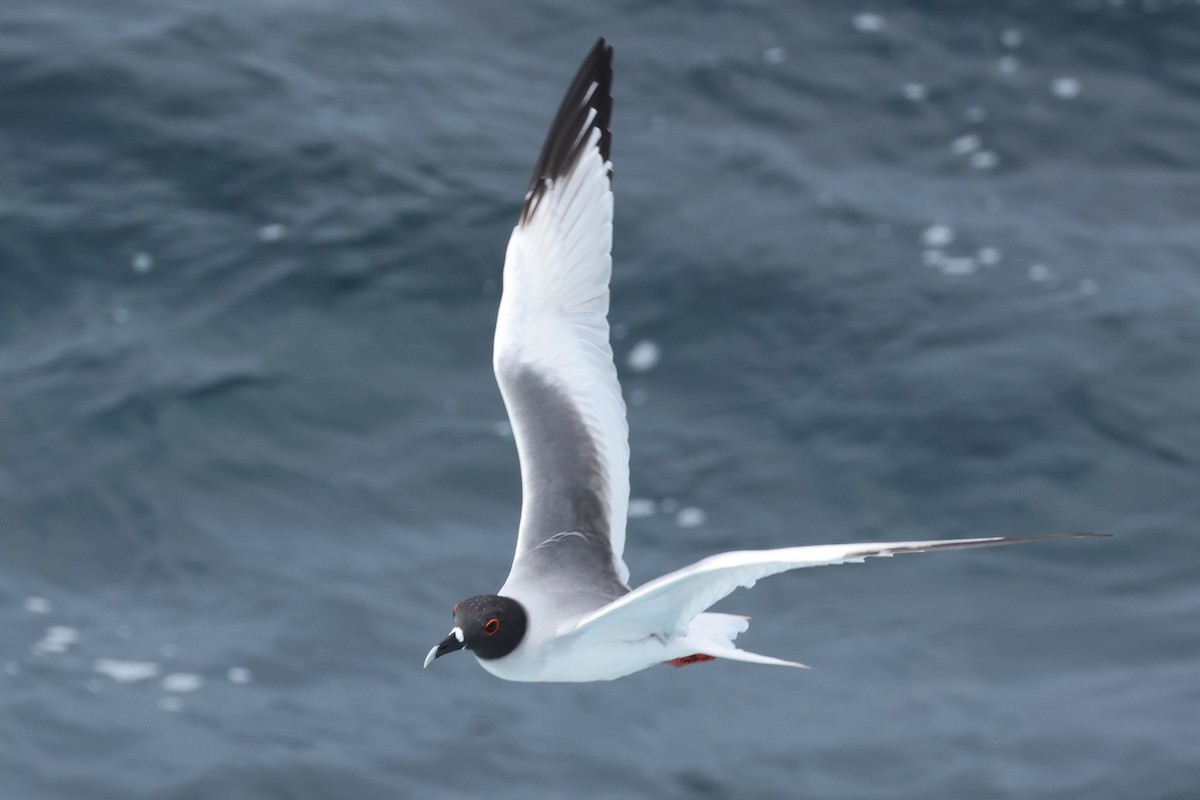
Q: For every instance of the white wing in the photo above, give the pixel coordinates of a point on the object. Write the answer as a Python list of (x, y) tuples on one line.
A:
[(552, 356), (666, 606)]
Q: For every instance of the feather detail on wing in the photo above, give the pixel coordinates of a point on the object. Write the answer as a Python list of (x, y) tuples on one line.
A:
[(665, 607), (552, 356)]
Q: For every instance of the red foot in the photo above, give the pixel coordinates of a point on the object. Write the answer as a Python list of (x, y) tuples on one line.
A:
[(695, 658)]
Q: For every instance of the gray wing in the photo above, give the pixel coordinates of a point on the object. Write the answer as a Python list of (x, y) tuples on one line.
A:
[(552, 357)]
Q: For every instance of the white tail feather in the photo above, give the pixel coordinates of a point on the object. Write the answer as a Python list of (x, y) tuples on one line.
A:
[(712, 634)]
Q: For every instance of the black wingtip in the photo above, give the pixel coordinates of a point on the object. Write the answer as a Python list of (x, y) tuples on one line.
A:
[(564, 142)]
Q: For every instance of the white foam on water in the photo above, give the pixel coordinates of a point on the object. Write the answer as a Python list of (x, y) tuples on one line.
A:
[(37, 605), (938, 235), (56, 640), (239, 675), (868, 22), (690, 517), (272, 233), (915, 91), (644, 356), (988, 256), (142, 263), (1066, 87), (125, 671), (1007, 65), (774, 55), (961, 265), (503, 429), (182, 682), (1011, 38), (968, 143), (984, 159), (1040, 273), (642, 507)]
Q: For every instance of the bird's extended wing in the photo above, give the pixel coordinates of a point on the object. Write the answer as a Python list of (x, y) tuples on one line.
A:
[(552, 356), (666, 606)]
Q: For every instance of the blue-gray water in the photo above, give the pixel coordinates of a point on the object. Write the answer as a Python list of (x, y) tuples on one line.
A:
[(914, 270)]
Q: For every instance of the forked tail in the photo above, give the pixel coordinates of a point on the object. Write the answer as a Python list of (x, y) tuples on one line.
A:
[(712, 634)]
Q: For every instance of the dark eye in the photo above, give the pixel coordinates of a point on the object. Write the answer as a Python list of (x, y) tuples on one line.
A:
[(492, 626)]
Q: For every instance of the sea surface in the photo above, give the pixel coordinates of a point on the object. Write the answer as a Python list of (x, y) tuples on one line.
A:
[(882, 271)]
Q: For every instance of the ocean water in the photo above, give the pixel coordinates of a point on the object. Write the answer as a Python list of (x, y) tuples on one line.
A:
[(884, 270)]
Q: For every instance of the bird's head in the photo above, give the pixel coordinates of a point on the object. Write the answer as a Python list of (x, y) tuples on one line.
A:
[(488, 625)]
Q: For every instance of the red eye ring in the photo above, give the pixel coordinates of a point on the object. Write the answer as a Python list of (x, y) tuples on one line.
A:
[(456, 608), (492, 626)]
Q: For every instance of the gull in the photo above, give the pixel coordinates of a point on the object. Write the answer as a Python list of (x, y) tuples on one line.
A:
[(566, 612)]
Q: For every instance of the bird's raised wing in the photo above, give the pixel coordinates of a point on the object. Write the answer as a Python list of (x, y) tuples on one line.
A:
[(552, 356), (666, 606)]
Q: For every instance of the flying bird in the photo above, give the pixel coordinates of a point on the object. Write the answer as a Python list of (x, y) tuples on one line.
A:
[(566, 612)]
